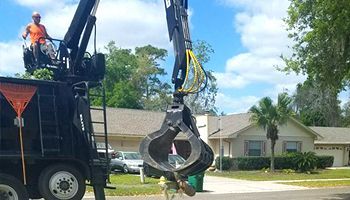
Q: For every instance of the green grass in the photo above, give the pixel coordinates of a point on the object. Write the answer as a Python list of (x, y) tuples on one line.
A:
[(130, 185), (278, 175), (320, 184)]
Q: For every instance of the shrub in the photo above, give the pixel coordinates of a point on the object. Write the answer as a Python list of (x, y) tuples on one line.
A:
[(251, 163), (294, 161), (226, 163), (324, 161), (305, 161), (285, 161)]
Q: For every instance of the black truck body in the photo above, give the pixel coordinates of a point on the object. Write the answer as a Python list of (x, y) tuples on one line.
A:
[(57, 131)]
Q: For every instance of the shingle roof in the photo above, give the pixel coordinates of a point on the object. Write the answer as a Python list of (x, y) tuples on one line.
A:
[(332, 135), (231, 125), (130, 122)]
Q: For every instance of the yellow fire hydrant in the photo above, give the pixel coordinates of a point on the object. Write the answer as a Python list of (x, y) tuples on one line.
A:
[(171, 188)]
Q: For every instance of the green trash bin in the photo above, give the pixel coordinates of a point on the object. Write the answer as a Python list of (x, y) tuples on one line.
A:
[(196, 181)]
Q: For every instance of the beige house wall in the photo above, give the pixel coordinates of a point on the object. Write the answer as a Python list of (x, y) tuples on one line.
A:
[(120, 143), (290, 132)]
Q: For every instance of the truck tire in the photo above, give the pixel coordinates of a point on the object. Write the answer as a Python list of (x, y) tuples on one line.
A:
[(12, 189), (61, 182)]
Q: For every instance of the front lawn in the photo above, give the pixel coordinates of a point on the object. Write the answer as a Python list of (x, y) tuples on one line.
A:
[(279, 175), (130, 185)]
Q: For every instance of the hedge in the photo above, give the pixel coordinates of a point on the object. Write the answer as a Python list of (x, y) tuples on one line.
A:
[(324, 161), (256, 163)]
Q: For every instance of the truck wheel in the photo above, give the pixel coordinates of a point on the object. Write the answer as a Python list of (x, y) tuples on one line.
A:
[(59, 182), (12, 189)]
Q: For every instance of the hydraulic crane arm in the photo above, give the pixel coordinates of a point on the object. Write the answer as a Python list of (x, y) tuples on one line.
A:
[(78, 23), (176, 15), (84, 20), (155, 146)]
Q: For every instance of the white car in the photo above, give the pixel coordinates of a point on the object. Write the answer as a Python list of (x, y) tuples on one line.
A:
[(101, 150), (128, 162)]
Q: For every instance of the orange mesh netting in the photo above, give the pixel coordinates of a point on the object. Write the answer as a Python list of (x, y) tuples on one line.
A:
[(18, 96)]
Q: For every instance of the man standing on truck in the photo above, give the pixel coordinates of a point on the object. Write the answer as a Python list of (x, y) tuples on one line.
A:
[(37, 33)]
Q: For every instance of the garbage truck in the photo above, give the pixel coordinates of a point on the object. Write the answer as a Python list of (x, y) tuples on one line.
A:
[(47, 139)]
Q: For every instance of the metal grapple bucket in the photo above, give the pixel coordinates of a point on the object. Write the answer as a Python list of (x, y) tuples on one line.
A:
[(155, 147)]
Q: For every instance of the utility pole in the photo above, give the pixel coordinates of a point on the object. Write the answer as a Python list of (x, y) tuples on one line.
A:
[(221, 147)]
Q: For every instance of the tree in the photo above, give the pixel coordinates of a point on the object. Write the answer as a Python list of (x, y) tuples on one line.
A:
[(320, 30), (203, 101), (317, 106), (346, 115), (120, 67), (156, 94), (133, 78), (270, 116), (40, 74)]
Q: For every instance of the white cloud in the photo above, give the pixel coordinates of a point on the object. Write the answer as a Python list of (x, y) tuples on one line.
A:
[(11, 58), (230, 80), (269, 7), (263, 34), (235, 104), (129, 23)]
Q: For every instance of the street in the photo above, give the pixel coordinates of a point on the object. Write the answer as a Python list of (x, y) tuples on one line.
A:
[(311, 194)]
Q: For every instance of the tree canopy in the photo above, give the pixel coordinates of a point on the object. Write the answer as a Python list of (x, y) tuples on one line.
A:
[(320, 30), (133, 78), (317, 106)]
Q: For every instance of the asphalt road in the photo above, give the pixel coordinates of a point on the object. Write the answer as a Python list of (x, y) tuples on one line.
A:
[(312, 194)]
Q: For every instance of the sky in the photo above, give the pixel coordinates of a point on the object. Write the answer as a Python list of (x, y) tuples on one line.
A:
[(248, 37)]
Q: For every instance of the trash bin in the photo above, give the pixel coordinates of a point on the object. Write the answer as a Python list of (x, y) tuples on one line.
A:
[(196, 181)]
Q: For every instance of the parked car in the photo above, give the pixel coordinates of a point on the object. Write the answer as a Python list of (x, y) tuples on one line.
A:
[(101, 150), (174, 160), (127, 162)]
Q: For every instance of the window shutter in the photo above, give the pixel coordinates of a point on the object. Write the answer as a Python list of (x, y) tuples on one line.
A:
[(263, 148), (246, 148), (284, 148), (299, 146)]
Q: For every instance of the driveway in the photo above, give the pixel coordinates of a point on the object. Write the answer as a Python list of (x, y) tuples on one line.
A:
[(220, 185), (316, 194)]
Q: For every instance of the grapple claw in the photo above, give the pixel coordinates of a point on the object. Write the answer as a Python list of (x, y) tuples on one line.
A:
[(154, 147)]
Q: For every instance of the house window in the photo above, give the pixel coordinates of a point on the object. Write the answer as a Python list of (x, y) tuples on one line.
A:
[(254, 148), (292, 146)]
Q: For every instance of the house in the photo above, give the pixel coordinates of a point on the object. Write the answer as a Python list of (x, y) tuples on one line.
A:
[(236, 134), (239, 137), (335, 141), (127, 127)]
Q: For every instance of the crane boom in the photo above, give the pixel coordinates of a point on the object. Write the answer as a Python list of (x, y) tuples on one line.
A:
[(155, 146)]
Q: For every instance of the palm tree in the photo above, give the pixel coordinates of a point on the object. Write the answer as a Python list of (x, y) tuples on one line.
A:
[(270, 116)]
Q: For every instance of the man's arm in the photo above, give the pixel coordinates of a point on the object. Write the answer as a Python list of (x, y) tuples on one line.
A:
[(46, 34), (25, 33)]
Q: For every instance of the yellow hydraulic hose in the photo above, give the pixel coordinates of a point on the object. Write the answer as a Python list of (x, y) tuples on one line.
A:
[(192, 64)]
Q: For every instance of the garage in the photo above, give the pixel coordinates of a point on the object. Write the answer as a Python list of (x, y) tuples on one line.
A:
[(337, 151), (335, 141)]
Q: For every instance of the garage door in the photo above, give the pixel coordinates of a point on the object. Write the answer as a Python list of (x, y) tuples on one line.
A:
[(333, 151)]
